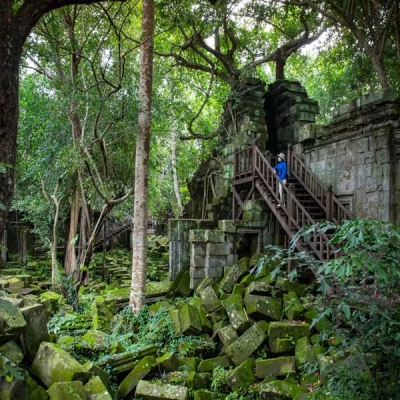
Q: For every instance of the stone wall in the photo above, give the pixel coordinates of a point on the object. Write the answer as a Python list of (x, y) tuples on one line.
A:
[(359, 154)]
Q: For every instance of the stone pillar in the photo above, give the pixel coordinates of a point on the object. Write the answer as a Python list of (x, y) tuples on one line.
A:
[(22, 246), (178, 233), (210, 251)]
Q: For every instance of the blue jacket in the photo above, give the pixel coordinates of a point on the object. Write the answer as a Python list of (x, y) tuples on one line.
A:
[(281, 170)]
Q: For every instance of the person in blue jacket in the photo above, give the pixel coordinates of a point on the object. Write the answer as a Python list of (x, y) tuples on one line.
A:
[(281, 170)]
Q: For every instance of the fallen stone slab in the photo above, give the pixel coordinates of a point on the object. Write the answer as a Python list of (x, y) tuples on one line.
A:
[(227, 335), (246, 344), (12, 351), (96, 390), (230, 278), (190, 320), (67, 391), (238, 317), (13, 322), (209, 364), (289, 330), (36, 329), (292, 305), (209, 298), (159, 391), (276, 390), (197, 380), (141, 370), (278, 366), (263, 307), (53, 364), (242, 376)]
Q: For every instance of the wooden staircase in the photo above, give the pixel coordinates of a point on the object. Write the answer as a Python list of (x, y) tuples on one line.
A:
[(307, 199)]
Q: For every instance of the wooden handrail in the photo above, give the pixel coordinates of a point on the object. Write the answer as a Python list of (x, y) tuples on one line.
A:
[(334, 210)]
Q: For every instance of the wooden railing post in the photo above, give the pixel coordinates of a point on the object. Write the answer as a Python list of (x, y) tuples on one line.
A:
[(289, 158), (290, 205), (253, 156), (329, 203)]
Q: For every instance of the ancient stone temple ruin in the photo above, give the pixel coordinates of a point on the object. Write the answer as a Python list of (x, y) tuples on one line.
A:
[(337, 171)]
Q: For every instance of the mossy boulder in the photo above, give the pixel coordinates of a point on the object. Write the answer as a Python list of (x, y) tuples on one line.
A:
[(154, 391), (242, 376), (53, 364), (13, 322), (96, 390), (67, 391), (145, 365)]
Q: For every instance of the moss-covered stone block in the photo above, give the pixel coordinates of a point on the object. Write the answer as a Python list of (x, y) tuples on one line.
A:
[(12, 351), (238, 289), (181, 285), (53, 364), (209, 298), (285, 285), (227, 335), (238, 317), (244, 265), (278, 345), (218, 316), (190, 320), (150, 390), (304, 352), (197, 380), (67, 391), (263, 307), (281, 389), (242, 377), (231, 277), (258, 288), (206, 281), (141, 370), (292, 306), (13, 322), (243, 347), (278, 366), (219, 325), (208, 365), (95, 389), (247, 280), (168, 362), (189, 363), (289, 330)]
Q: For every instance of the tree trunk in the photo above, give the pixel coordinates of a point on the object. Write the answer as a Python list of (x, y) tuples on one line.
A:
[(140, 216), (70, 254), (379, 66), (10, 51), (174, 172)]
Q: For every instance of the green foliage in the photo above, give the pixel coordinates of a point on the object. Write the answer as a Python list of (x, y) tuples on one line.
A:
[(9, 371), (219, 376), (365, 344), (69, 324)]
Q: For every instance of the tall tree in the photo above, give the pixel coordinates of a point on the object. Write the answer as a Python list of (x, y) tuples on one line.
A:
[(374, 24), (17, 19), (140, 216)]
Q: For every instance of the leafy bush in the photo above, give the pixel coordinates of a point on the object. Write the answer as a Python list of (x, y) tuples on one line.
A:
[(365, 344)]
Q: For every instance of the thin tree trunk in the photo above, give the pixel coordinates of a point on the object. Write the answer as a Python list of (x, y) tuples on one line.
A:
[(70, 254), (140, 216), (174, 172)]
